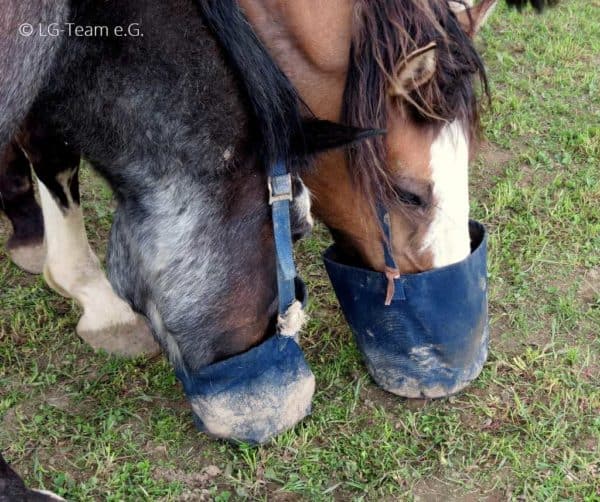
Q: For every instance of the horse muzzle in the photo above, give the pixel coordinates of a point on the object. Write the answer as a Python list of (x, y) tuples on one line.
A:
[(432, 340), (256, 395)]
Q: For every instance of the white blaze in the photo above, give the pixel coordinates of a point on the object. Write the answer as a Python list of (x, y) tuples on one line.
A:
[(448, 236)]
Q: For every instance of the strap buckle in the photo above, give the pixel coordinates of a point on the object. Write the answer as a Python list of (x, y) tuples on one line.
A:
[(280, 188)]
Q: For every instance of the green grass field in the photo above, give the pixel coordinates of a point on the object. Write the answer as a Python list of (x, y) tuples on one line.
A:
[(92, 427)]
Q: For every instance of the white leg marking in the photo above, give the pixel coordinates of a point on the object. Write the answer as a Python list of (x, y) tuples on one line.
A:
[(448, 236), (50, 495), (74, 271)]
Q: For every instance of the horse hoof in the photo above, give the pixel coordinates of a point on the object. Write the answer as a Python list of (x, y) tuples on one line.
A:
[(129, 340), (28, 257)]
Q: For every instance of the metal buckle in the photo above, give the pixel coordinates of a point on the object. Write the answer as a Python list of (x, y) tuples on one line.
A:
[(280, 188)]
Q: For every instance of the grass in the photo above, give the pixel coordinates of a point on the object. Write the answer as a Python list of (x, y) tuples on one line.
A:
[(93, 427)]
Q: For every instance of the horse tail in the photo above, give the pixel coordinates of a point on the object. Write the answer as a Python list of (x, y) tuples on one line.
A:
[(25, 58), (287, 128)]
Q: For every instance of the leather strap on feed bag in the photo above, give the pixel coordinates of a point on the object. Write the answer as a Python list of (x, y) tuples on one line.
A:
[(391, 269)]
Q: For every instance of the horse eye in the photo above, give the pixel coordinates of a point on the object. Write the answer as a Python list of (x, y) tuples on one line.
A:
[(412, 199)]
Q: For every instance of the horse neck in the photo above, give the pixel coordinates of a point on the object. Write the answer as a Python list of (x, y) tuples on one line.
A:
[(310, 41)]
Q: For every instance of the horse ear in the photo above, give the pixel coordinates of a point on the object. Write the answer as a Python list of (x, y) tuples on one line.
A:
[(417, 69), (472, 18)]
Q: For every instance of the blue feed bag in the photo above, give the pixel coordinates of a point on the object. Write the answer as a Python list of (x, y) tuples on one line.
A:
[(256, 395), (432, 341)]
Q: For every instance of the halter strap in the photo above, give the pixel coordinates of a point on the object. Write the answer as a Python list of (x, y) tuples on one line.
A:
[(391, 269), (280, 196)]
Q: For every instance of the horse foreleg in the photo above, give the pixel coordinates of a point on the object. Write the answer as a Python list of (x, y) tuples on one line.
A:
[(72, 268), (26, 245)]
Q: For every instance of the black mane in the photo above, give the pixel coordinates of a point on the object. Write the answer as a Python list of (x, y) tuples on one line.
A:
[(286, 127), (273, 100)]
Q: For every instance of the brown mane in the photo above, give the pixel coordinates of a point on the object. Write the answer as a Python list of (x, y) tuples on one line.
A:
[(385, 32)]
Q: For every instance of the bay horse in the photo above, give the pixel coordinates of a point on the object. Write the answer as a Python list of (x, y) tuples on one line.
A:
[(404, 66)]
